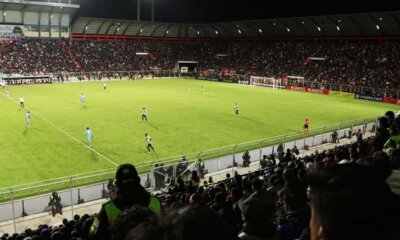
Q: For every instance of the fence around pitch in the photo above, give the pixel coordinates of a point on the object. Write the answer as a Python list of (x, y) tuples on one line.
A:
[(33, 198)]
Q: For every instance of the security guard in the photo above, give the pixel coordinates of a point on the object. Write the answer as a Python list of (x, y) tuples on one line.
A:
[(129, 193)]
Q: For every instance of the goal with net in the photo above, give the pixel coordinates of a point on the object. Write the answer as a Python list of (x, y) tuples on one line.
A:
[(266, 82)]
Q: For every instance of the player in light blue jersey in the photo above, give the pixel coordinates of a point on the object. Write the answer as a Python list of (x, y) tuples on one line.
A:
[(28, 119), (89, 135), (83, 98)]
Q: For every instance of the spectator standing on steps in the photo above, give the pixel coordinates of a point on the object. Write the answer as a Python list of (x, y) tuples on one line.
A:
[(246, 159)]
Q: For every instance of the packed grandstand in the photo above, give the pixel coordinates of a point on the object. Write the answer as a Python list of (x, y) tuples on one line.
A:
[(350, 191)]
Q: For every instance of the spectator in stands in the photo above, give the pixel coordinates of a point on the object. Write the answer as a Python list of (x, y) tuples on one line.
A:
[(111, 189), (258, 224), (129, 193), (382, 135), (350, 202), (359, 135), (266, 198), (194, 182), (129, 220), (264, 162), (187, 223), (297, 213), (394, 178)]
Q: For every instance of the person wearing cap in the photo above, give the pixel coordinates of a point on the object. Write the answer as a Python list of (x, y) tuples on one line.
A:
[(129, 193)]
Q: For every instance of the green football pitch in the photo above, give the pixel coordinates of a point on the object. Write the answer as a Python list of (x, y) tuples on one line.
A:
[(181, 121)]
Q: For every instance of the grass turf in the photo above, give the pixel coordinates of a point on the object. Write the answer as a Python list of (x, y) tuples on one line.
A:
[(181, 121)]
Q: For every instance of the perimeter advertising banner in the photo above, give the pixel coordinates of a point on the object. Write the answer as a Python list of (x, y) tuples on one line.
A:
[(368, 97), (307, 89), (11, 31), (391, 100)]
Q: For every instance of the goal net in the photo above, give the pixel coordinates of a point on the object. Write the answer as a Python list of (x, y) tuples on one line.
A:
[(266, 82)]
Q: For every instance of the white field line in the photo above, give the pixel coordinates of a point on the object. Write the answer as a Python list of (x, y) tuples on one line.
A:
[(65, 178), (69, 135)]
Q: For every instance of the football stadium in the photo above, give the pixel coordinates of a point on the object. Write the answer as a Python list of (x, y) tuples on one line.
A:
[(155, 120)]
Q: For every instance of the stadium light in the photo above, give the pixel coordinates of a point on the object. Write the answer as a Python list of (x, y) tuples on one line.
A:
[(239, 31), (198, 32), (319, 29), (167, 32), (4, 14), (302, 22), (274, 24), (377, 27), (338, 28), (117, 29), (288, 29), (380, 19), (216, 32), (141, 30), (86, 28), (339, 20), (260, 30)]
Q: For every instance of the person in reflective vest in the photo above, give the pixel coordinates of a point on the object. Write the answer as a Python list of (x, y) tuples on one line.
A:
[(129, 193)]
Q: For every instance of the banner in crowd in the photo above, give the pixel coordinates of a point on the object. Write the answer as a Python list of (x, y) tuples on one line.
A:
[(307, 89), (11, 31), (368, 97)]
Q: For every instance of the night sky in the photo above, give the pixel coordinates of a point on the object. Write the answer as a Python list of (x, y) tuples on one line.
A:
[(197, 11)]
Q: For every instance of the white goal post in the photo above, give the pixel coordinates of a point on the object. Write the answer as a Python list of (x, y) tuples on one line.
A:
[(266, 82)]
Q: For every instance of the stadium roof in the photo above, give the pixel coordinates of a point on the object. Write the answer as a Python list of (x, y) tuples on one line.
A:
[(364, 24), (39, 6)]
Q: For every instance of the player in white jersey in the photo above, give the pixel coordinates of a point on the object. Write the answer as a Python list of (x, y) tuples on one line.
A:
[(105, 86), (236, 108), (22, 102), (147, 139), (28, 119), (144, 114)]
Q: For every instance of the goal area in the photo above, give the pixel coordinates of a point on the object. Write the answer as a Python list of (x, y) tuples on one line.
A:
[(266, 82)]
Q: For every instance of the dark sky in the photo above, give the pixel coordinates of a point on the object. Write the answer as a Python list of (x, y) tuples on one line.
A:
[(196, 11)]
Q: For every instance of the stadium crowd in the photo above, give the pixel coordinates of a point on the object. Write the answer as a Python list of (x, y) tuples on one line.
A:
[(349, 192), (343, 65)]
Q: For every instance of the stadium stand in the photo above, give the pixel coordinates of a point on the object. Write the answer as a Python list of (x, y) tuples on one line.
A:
[(373, 64)]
